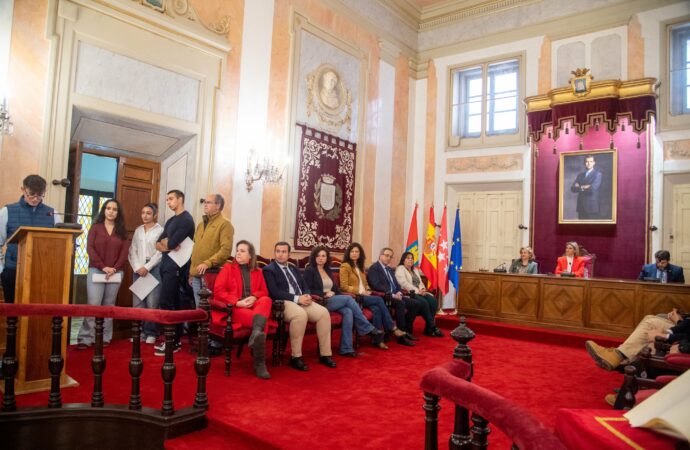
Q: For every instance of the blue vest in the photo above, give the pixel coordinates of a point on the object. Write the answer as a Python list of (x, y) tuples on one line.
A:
[(22, 214)]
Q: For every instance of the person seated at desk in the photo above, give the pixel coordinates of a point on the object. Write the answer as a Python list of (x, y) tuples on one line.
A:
[(673, 326), (571, 261), (662, 269), (524, 264)]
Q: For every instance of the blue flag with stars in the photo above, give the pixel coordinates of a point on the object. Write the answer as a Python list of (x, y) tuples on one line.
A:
[(455, 253)]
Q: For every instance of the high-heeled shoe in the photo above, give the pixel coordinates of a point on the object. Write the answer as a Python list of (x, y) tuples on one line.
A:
[(398, 332), (381, 345)]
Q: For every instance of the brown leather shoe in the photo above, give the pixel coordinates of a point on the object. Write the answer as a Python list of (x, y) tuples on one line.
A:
[(610, 399), (606, 358)]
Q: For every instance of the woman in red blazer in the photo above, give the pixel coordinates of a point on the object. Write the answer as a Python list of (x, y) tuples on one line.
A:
[(250, 301), (571, 261)]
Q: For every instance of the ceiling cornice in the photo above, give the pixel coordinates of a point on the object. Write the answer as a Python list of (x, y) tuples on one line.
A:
[(448, 12)]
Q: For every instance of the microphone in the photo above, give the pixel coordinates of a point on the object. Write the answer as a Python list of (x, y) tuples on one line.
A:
[(58, 213), (501, 268)]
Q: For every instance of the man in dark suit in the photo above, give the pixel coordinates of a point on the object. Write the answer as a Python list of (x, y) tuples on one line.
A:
[(285, 283), (662, 269), (587, 186), (381, 277)]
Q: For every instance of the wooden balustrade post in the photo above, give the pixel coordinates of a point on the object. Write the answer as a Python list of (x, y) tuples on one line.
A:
[(460, 437), (480, 432), (98, 366), (55, 365), (136, 366), (168, 371), (203, 362), (431, 408), (10, 365), (626, 397)]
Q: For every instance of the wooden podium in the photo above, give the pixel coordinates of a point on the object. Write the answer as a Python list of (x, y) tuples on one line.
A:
[(44, 272)]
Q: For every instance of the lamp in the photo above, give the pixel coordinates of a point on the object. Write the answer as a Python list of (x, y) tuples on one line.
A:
[(6, 125), (265, 169)]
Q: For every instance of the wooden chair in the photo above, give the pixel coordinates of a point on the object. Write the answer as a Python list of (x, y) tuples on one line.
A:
[(228, 336), (656, 369), (589, 260)]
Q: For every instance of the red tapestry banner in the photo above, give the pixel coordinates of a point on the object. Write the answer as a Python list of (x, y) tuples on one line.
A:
[(325, 192)]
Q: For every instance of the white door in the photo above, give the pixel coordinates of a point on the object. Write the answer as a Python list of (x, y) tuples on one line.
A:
[(680, 250), (489, 223)]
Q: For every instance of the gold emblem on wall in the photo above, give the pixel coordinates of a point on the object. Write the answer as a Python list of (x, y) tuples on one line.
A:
[(328, 98), (581, 82)]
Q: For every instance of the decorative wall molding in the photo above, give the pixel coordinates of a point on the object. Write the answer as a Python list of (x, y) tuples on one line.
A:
[(677, 150), (495, 163), (184, 10)]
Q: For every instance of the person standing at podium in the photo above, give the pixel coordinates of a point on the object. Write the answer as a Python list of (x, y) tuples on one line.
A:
[(29, 211), (107, 246)]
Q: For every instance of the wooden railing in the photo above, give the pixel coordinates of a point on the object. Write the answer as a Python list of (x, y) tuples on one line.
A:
[(101, 425), (452, 381)]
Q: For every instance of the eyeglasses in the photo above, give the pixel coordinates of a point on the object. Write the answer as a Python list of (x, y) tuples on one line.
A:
[(206, 202), (35, 196)]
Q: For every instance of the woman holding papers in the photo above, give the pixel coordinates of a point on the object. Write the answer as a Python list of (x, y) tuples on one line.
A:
[(107, 247), (145, 260), (241, 284)]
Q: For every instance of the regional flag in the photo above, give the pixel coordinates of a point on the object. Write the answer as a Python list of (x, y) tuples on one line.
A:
[(428, 265), (443, 255), (456, 253), (413, 238)]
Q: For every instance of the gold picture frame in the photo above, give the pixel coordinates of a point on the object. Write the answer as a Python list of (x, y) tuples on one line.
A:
[(587, 187)]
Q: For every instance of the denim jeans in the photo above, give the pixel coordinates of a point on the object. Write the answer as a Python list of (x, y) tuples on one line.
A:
[(382, 317), (196, 287), (347, 307), (152, 301), (99, 294)]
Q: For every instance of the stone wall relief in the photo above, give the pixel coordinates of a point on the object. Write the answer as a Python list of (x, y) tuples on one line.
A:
[(328, 98)]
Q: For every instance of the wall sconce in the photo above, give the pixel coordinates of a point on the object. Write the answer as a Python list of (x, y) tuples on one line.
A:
[(259, 169), (6, 125)]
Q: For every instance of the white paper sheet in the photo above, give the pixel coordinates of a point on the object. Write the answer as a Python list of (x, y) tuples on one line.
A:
[(182, 255), (143, 286), (100, 278)]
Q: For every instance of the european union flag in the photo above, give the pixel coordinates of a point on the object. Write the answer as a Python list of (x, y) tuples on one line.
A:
[(455, 253)]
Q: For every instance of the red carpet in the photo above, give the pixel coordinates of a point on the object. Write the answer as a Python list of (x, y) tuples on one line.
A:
[(372, 401)]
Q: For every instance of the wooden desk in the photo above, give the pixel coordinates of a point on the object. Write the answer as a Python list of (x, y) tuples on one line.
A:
[(596, 305)]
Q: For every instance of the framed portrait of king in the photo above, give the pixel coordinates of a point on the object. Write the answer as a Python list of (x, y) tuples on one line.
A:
[(587, 186)]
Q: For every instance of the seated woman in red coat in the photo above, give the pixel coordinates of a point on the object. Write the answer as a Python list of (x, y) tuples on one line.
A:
[(571, 261), (242, 285)]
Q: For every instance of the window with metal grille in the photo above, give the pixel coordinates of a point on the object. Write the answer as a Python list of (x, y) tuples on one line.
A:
[(90, 203)]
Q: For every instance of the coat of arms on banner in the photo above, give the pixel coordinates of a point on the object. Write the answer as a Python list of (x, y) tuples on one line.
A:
[(328, 198), (328, 98)]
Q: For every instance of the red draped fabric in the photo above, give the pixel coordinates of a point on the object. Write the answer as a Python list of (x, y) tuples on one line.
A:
[(592, 429), (586, 113), (325, 192)]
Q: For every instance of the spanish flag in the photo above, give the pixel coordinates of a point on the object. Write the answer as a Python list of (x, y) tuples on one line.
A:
[(428, 265), (413, 238)]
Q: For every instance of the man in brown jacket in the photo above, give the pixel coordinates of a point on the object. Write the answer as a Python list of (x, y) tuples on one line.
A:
[(212, 242)]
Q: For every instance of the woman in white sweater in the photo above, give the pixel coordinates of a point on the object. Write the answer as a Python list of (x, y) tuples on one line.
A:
[(410, 279), (145, 259)]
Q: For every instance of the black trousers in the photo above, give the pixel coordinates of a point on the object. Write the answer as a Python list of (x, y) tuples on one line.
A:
[(405, 312), (171, 279), (9, 277), (427, 310)]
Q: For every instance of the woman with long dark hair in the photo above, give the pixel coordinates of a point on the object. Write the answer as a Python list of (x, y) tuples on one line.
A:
[(319, 278), (107, 247), (145, 261), (241, 284), (410, 279), (354, 281)]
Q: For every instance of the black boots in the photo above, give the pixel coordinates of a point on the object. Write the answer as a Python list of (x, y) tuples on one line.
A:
[(257, 342)]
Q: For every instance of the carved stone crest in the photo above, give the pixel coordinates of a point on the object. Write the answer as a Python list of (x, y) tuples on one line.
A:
[(328, 98), (328, 198)]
